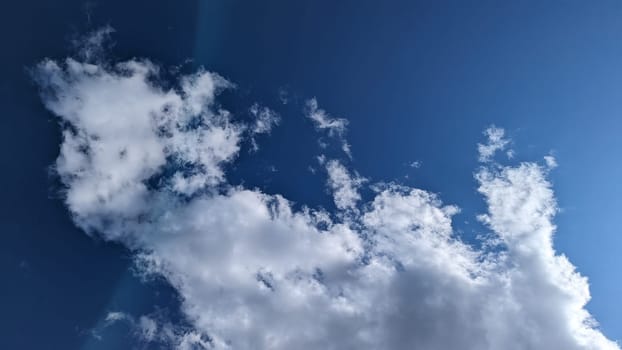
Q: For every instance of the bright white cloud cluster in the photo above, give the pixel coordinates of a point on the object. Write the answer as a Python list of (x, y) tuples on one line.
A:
[(143, 165), (120, 130)]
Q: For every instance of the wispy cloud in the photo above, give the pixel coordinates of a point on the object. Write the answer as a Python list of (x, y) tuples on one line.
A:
[(264, 120), (322, 121), (496, 141), (155, 330), (550, 161), (344, 185), (336, 127)]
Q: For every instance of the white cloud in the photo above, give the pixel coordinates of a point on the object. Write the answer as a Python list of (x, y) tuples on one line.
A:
[(548, 294), (265, 120), (336, 127), (92, 47), (154, 330), (116, 316), (122, 130), (550, 161), (142, 165), (344, 185), (416, 164), (495, 142), (147, 328), (346, 148), (321, 119)]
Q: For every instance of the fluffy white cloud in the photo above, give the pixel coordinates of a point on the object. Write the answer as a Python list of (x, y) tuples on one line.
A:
[(120, 130), (547, 294), (143, 165)]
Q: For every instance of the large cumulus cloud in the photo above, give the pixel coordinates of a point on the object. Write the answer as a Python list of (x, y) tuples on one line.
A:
[(143, 164)]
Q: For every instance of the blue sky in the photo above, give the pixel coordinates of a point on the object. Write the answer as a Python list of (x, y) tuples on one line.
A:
[(417, 82)]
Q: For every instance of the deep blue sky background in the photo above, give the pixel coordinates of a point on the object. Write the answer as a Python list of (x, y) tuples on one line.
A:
[(419, 81)]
